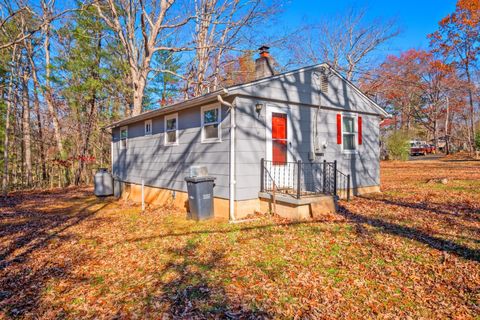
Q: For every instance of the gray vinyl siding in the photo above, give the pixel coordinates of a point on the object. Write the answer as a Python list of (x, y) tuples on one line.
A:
[(304, 88), (147, 158), (163, 166), (251, 144)]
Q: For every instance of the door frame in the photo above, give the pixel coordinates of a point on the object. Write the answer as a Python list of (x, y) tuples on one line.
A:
[(268, 130)]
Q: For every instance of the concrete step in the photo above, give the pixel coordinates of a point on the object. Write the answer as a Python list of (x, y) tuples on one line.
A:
[(305, 208), (323, 207)]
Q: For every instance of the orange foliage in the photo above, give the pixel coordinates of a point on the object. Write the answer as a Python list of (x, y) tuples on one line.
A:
[(239, 70), (415, 85), (459, 30)]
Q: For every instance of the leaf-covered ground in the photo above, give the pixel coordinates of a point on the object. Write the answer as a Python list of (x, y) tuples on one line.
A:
[(412, 251)]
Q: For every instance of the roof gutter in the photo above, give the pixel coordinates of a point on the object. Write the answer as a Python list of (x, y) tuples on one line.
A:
[(212, 97)]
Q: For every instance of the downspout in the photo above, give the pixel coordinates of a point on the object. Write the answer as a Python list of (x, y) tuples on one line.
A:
[(111, 154), (232, 179)]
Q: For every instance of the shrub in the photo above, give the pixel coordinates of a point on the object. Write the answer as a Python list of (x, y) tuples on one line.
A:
[(477, 140), (398, 145)]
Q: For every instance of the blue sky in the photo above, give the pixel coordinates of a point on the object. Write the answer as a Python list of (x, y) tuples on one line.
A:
[(416, 18)]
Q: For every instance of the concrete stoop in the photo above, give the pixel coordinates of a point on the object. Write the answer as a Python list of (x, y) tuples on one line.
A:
[(306, 208)]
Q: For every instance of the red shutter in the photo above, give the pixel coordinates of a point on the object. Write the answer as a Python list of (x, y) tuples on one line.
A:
[(359, 130), (339, 128)]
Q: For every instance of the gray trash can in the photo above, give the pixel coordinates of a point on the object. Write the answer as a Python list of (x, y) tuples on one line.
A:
[(200, 197), (103, 183)]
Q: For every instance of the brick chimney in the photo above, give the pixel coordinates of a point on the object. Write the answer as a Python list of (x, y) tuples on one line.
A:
[(264, 64)]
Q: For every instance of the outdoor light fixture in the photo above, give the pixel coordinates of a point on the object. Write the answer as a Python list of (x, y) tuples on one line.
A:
[(258, 107)]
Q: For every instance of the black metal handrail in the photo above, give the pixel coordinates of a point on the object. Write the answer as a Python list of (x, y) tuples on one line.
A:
[(299, 179), (343, 185), (274, 186)]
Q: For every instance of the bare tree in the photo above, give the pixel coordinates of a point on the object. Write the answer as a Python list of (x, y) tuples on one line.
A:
[(345, 42), (140, 45), (6, 141), (458, 40), (26, 136), (48, 8), (17, 36), (204, 34), (220, 27), (36, 105)]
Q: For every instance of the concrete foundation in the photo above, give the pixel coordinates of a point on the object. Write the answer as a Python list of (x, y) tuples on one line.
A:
[(365, 190), (286, 206), (179, 199)]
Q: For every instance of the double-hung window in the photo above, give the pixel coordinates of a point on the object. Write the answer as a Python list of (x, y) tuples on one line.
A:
[(349, 133), (148, 127), (123, 137), (211, 124), (171, 129)]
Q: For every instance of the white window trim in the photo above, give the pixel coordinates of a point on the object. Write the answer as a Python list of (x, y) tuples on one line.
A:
[(203, 110), (126, 139), (355, 131), (145, 126), (166, 118)]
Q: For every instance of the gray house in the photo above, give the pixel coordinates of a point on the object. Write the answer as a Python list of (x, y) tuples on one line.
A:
[(296, 140)]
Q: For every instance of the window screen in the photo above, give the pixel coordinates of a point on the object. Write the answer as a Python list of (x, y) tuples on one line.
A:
[(348, 133), (148, 127), (171, 128), (123, 137), (211, 124)]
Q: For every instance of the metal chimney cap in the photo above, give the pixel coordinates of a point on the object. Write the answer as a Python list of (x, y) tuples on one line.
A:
[(263, 48), (264, 51)]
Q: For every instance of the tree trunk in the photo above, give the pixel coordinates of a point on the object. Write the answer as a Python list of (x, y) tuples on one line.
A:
[(48, 93), (447, 143), (86, 142), (26, 132), (139, 84), (409, 117), (91, 115), (7, 126), (469, 133), (351, 69), (471, 111), (36, 108)]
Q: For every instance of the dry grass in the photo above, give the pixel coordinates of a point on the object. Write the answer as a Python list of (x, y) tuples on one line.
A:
[(413, 251)]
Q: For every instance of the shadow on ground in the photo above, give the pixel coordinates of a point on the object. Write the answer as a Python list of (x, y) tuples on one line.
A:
[(191, 293), (27, 233), (412, 233), (185, 288), (468, 212)]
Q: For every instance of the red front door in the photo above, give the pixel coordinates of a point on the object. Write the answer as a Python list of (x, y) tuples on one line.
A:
[(279, 138)]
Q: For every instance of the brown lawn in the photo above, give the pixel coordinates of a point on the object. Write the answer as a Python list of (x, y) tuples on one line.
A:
[(413, 251)]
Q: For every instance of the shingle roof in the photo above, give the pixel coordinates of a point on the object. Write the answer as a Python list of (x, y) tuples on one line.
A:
[(212, 96)]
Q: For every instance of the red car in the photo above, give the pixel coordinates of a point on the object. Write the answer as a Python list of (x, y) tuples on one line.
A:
[(419, 149)]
